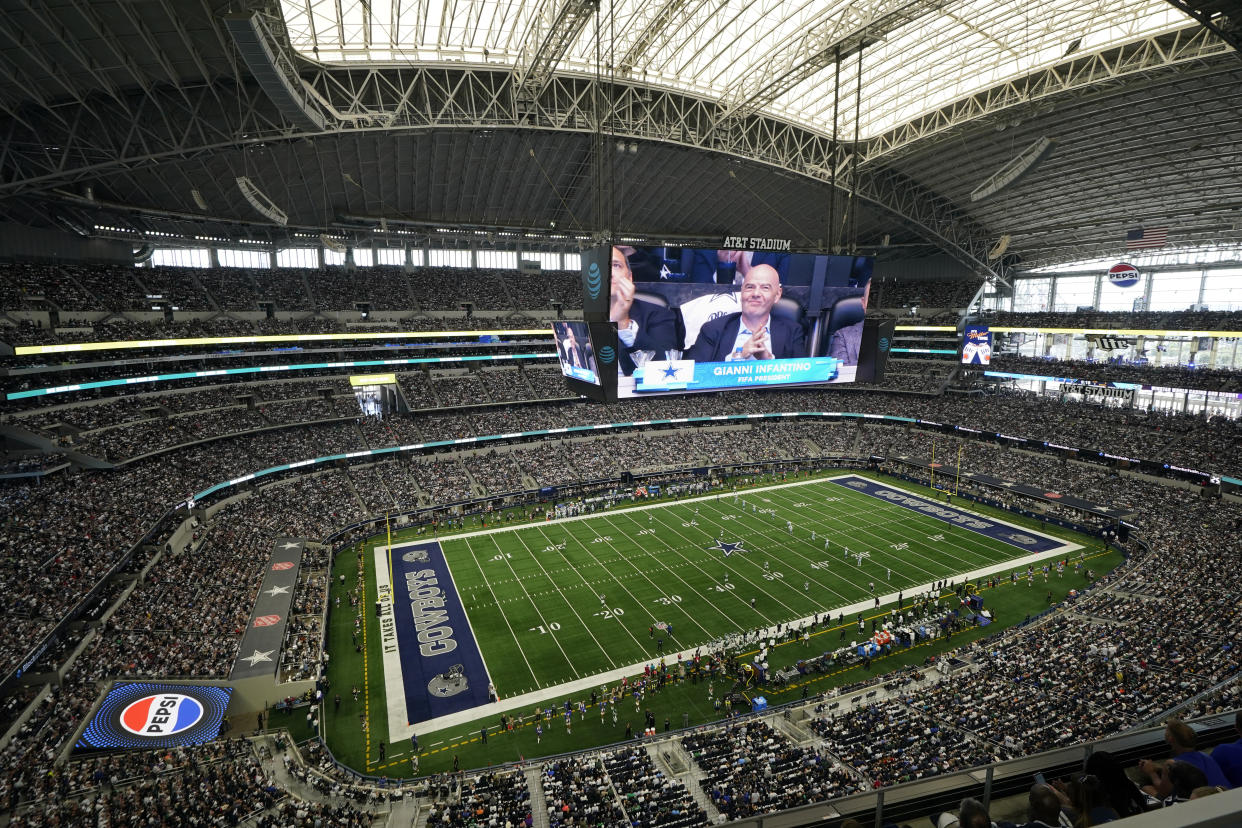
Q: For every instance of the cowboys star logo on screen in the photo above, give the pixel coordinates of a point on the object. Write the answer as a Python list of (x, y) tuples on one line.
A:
[(728, 548)]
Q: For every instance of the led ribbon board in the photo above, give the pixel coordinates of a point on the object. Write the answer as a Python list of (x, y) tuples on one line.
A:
[(120, 345), (263, 369)]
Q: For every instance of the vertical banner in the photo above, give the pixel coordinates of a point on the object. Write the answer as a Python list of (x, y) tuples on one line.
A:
[(977, 345), (604, 341), (596, 283), (877, 343)]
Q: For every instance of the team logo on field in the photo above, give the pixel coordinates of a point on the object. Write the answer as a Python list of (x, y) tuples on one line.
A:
[(449, 683), (1025, 540), (416, 556), (165, 714), (727, 548), (857, 484)]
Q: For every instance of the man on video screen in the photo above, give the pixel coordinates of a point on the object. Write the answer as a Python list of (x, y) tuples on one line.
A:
[(641, 326), (753, 333), (572, 352)]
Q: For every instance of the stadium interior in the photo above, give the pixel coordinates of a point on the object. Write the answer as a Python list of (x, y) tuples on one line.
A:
[(282, 277)]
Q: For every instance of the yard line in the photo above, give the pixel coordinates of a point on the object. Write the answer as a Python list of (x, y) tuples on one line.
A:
[(969, 549), (800, 572), (478, 642), (568, 603), (853, 528), (693, 589), (737, 572), (535, 605), (882, 556), (653, 583)]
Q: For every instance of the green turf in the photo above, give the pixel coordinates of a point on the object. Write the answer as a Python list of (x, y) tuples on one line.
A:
[(520, 586), (533, 595)]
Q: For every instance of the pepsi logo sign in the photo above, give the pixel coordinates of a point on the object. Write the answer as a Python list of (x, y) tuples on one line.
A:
[(277, 567), (1124, 274), (267, 621), (164, 714), (145, 715)]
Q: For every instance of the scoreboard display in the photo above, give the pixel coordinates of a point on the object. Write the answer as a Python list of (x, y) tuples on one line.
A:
[(692, 319)]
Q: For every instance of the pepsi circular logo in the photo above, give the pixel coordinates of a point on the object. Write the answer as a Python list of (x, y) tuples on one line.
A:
[(1124, 274), (607, 354), (161, 715), (147, 715)]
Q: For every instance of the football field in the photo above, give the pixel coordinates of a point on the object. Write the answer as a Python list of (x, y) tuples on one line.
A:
[(552, 607)]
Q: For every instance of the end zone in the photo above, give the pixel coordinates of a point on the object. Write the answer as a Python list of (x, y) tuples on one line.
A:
[(432, 663), (1012, 534)]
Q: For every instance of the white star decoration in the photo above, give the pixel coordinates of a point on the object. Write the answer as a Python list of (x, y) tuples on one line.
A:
[(276, 590), (291, 545), (257, 656)]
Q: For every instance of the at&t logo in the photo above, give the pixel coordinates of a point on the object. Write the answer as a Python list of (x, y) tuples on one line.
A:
[(164, 714), (594, 281), (607, 354)]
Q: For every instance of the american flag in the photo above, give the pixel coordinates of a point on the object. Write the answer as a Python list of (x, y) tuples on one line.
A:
[(1141, 238)]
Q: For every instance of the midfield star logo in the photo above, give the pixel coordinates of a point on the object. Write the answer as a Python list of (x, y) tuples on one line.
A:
[(728, 548)]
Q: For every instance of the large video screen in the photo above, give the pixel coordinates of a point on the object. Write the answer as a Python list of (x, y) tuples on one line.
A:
[(693, 319), (144, 715), (574, 349)]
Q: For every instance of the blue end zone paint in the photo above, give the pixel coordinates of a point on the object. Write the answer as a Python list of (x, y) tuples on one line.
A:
[(440, 661), (1021, 538)]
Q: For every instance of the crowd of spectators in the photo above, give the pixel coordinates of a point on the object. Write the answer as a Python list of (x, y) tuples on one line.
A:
[(577, 792), (22, 283), (890, 743), (924, 293), (650, 799), (1186, 320), (925, 376), (1227, 380), (449, 288), (222, 783), (750, 769), (381, 288), (500, 799), (496, 471), (549, 288)]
